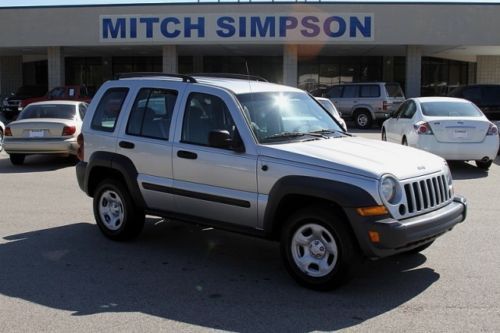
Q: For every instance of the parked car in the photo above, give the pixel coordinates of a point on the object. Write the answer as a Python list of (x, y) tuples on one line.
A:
[(262, 159), (2, 131), (71, 92), (452, 128), (328, 105), (11, 106), (45, 128), (485, 96), (366, 102)]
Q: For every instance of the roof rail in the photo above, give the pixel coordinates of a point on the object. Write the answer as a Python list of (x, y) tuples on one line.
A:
[(185, 78), (231, 76)]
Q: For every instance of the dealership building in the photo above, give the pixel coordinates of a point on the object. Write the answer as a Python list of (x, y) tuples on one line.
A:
[(428, 47)]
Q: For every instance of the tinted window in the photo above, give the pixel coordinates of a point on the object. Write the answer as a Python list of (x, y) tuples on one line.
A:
[(491, 95), (152, 113), (334, 92), (205, 113), (60, 111), (350, 92), (369, 91), (450, 109), (394, 90), (409, 111), (82, 109), (401, 110), (57, 92), (109, 108), (472, 94)]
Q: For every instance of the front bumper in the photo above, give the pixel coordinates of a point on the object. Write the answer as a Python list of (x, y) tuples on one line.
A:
[(398, 236), (81, 169)]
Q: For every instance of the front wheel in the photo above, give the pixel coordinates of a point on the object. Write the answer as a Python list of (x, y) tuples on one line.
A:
[(115, 212), (317, 248)]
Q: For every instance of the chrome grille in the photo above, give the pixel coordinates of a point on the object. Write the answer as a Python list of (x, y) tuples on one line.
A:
[(426, 194)]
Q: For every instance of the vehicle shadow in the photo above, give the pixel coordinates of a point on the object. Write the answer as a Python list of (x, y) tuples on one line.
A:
[(465, 170), (195, 275), (37, 163)]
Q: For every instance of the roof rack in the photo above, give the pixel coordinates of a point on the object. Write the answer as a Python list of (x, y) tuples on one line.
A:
[(185, 78), (231, 76)]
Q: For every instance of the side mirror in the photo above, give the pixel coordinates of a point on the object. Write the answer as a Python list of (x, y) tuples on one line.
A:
[(222, 139)]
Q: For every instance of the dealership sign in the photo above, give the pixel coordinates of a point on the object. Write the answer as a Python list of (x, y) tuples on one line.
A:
[(244, 28)]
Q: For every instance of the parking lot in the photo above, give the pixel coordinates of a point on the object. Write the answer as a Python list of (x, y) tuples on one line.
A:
[(59, 274)]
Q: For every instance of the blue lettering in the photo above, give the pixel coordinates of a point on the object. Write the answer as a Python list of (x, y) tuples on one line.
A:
[(341, 26), (200, 26), (365, 29), (109, 29), (268, 27), (287, 23), (149, 21), (133, 28), (312, 29), (164, 27), (226, 28), (243, 26)]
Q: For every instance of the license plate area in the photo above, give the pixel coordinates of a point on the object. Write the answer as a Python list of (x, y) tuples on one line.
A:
[(36, 133), (460, 133)]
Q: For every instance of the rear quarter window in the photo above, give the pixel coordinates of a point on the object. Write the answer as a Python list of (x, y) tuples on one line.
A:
[(108, 109)]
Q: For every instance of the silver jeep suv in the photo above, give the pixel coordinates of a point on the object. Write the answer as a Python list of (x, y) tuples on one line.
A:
[(367, 101), (261, 159)]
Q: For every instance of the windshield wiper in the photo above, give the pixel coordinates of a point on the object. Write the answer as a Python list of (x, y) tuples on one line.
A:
[(290, 135), (329, 131)]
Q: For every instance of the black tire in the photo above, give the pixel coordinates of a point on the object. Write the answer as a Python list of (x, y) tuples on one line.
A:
[(484, 165), (115, 212), (339, 266), (17, 159), (363, 119), (1, 140), (404, 142), (384, 135), (419, 248)]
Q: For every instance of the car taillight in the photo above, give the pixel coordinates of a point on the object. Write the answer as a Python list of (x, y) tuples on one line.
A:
[(79, 152), (385, 105), (69, 130), (492, 130), (8, 131), (422, 128)]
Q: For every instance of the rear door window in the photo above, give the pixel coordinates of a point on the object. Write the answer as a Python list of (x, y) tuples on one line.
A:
[(371, 90), (350, 92), (334, 92), (108, 110)]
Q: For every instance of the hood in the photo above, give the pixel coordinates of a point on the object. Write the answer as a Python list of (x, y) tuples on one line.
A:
[(370, 158)]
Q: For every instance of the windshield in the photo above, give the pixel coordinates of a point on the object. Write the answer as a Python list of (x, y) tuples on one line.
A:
[(394, 90), (281, 116), (450, 109), (60, 111)]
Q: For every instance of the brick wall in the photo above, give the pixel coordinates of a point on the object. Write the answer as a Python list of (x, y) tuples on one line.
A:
[(488, 69)]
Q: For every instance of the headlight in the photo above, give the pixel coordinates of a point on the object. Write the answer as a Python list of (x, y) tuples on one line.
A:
[(389, 189), (447, 174)]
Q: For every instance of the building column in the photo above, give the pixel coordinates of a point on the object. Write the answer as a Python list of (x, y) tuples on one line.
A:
[(170, 61), (290, 65), (55, 67), (413, 70), (11, 74), (488, 69)]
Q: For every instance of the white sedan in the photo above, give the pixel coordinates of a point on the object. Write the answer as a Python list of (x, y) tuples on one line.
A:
[(452, 128), (2, 131), (330, 107)]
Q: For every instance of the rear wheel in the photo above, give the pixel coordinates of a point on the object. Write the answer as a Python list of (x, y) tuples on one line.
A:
[(363, 119), (484, 165), (1, 140), (384, 135), (317, 248), (115, 212), (17, 159)]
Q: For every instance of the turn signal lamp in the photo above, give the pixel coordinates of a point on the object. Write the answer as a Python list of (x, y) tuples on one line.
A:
[(374, 236), (372, 211)]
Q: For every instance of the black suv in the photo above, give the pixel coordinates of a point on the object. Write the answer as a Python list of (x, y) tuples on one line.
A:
[(485, 96), (11, 104)]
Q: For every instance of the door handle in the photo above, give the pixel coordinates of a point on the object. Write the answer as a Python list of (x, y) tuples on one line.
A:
[(126, 145), (187, 154)]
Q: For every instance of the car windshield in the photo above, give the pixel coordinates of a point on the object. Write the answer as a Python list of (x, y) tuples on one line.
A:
[(60, 111), (283, 116), (450, 109)]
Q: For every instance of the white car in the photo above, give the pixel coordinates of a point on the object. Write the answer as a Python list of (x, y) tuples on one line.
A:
[(452, 128), (2, 131), (330, 107)]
